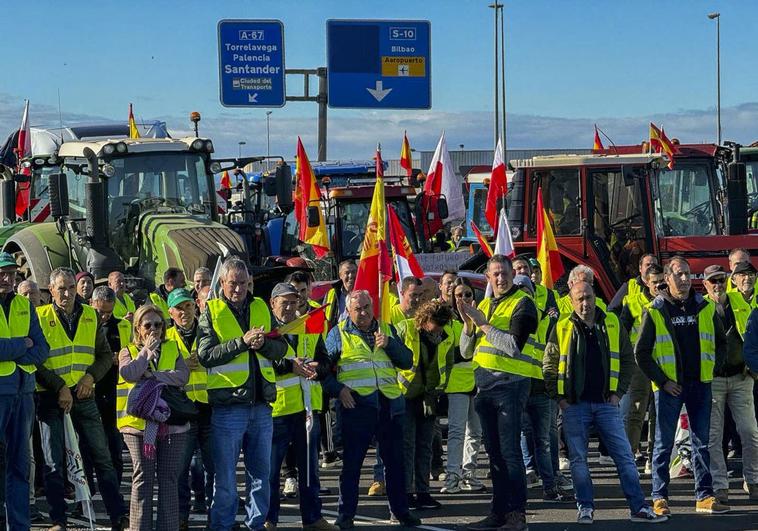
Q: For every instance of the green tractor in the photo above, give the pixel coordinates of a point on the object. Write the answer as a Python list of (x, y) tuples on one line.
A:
[(135, 205)]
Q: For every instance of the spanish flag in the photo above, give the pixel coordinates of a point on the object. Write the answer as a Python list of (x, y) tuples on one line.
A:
[(308, 199), (660, 143), (375, 266), (406, 161), (226, 181), (597, 145), (486, 249), (311, 323), (133, 131), (547, 250)]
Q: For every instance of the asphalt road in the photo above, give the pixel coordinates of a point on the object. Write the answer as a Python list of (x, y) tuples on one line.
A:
[(460, 509)]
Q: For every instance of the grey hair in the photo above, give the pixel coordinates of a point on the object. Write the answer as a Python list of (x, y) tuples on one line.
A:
[(232, 264), (355, 294), (103, 293), (27, 283), (60, 272), (581, 269), (203, 271)]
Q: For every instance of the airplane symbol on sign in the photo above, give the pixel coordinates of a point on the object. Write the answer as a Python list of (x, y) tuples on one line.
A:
[(402, 70)]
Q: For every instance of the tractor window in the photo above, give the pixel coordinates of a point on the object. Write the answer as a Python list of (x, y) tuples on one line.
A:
[(353, 218), (618, 232), (684, 202), (752, 192), (478, 203), (561, 196)]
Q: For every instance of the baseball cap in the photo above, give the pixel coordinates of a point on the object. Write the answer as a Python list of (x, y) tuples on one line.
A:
[(713, 271), (178, 296), (7, 260), (534, 263), (744, 267), (282, 289), (523, 281)]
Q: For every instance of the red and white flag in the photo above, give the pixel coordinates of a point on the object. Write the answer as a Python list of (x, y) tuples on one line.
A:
[(406, 264), (23, 149), (442, 180), (503, 240), (498, 187)]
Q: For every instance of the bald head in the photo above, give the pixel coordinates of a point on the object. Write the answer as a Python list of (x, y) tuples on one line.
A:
[(583, 301), (30, 290)]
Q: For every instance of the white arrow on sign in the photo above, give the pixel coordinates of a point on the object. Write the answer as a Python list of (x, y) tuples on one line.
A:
[(379, 92), (252, 98)]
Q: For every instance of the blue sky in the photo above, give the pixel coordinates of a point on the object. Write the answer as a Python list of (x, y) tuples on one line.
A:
[(569, 64)]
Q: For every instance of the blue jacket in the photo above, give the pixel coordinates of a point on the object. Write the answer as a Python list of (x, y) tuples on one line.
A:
[(401, 357), (14, 349), (750, 348)]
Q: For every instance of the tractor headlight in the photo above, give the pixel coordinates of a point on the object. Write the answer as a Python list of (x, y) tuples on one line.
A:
[(108, 170), (109, 149), (209, 146), (197, 145), (121, 148)]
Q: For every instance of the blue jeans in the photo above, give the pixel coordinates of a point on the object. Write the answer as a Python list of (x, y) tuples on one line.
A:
[(89, 428), (359, 426), (606, 418), (539, 426), (378, 467), (500, 410), (199, 437), (233, 429), (291, 429), (16, 420), (696, 396)]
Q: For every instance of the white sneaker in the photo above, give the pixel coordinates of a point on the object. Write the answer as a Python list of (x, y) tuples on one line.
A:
[(605, 460), (564, 464), (290, 487), (452, 484), (648, 467), (584, 516)]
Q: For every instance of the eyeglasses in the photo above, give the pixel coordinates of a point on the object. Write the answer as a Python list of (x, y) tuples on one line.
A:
[(465, 295), (154, 325), (661, 286), (717, 280)]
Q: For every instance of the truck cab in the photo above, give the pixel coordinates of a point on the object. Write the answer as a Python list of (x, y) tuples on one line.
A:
[(608, 209)]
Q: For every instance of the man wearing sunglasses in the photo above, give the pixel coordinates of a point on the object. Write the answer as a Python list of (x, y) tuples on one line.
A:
[(80, 355), (635, 402), (681, 342), (733, 384)]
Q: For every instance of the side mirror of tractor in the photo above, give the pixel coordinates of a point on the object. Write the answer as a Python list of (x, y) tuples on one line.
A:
[(58, 192), (7, 201), (284, 187), (442, 207), (314, 219)]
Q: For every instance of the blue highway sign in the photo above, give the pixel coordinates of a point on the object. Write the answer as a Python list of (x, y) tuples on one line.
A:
[(379, 64), (251, 63)]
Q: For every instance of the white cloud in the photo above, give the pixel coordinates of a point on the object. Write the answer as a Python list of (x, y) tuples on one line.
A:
[(354, 134)]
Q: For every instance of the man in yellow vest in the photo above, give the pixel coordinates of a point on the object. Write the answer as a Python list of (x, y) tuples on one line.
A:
[(495, 335), (580, 273), (173, 278), (447, 286), (201, 278), (587, 366), (234, 347), (736, 256), (119, 334), (411, 294), (336, 297), (22, 347), (634, 285), (681, 342), (296, 420), (367, 355), (124, 307), (79, 357), (30, 290), (85, 285), (183, 311), (634, 404), (733, 384)]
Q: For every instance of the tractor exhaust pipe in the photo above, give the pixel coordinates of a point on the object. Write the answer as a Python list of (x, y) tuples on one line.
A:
[(96, 222)]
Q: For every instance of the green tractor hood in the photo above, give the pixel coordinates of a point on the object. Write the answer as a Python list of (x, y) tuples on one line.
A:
[(186, 242)]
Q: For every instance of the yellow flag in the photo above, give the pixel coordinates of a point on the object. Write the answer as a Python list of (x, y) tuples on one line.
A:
[(133, 131)]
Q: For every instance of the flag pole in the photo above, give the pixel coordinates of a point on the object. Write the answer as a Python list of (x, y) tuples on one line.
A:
[(379, 175)]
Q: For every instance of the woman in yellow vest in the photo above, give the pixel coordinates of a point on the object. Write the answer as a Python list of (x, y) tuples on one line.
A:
[(152, 356)]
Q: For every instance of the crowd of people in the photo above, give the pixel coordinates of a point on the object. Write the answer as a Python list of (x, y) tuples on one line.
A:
[(190, 380)]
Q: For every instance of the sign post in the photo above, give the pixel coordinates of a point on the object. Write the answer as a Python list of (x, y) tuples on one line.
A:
[(251, 63)]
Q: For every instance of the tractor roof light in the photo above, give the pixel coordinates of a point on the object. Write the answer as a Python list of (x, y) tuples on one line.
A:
[(209, 146), (121, 148), (197, 145), (109, 149)]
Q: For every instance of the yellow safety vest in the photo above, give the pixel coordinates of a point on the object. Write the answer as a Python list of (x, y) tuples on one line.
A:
[(535, 346), (741, 309), (68, 359), (632, 288), (396, 315), (564, 329), (565, 307), (197, 386), (408, 332), (124, 332), (161, 303), (461, 378), (237, 371), (664, 353), (289, 391), (166, 362), (120, 309), (637, 305), (730, 287), (364, 370), (331, 300), (488, 356), (16, 326)]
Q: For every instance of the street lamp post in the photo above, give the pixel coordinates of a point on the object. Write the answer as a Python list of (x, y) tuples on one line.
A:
[(240, 144), (717, 16), (268, 137)]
